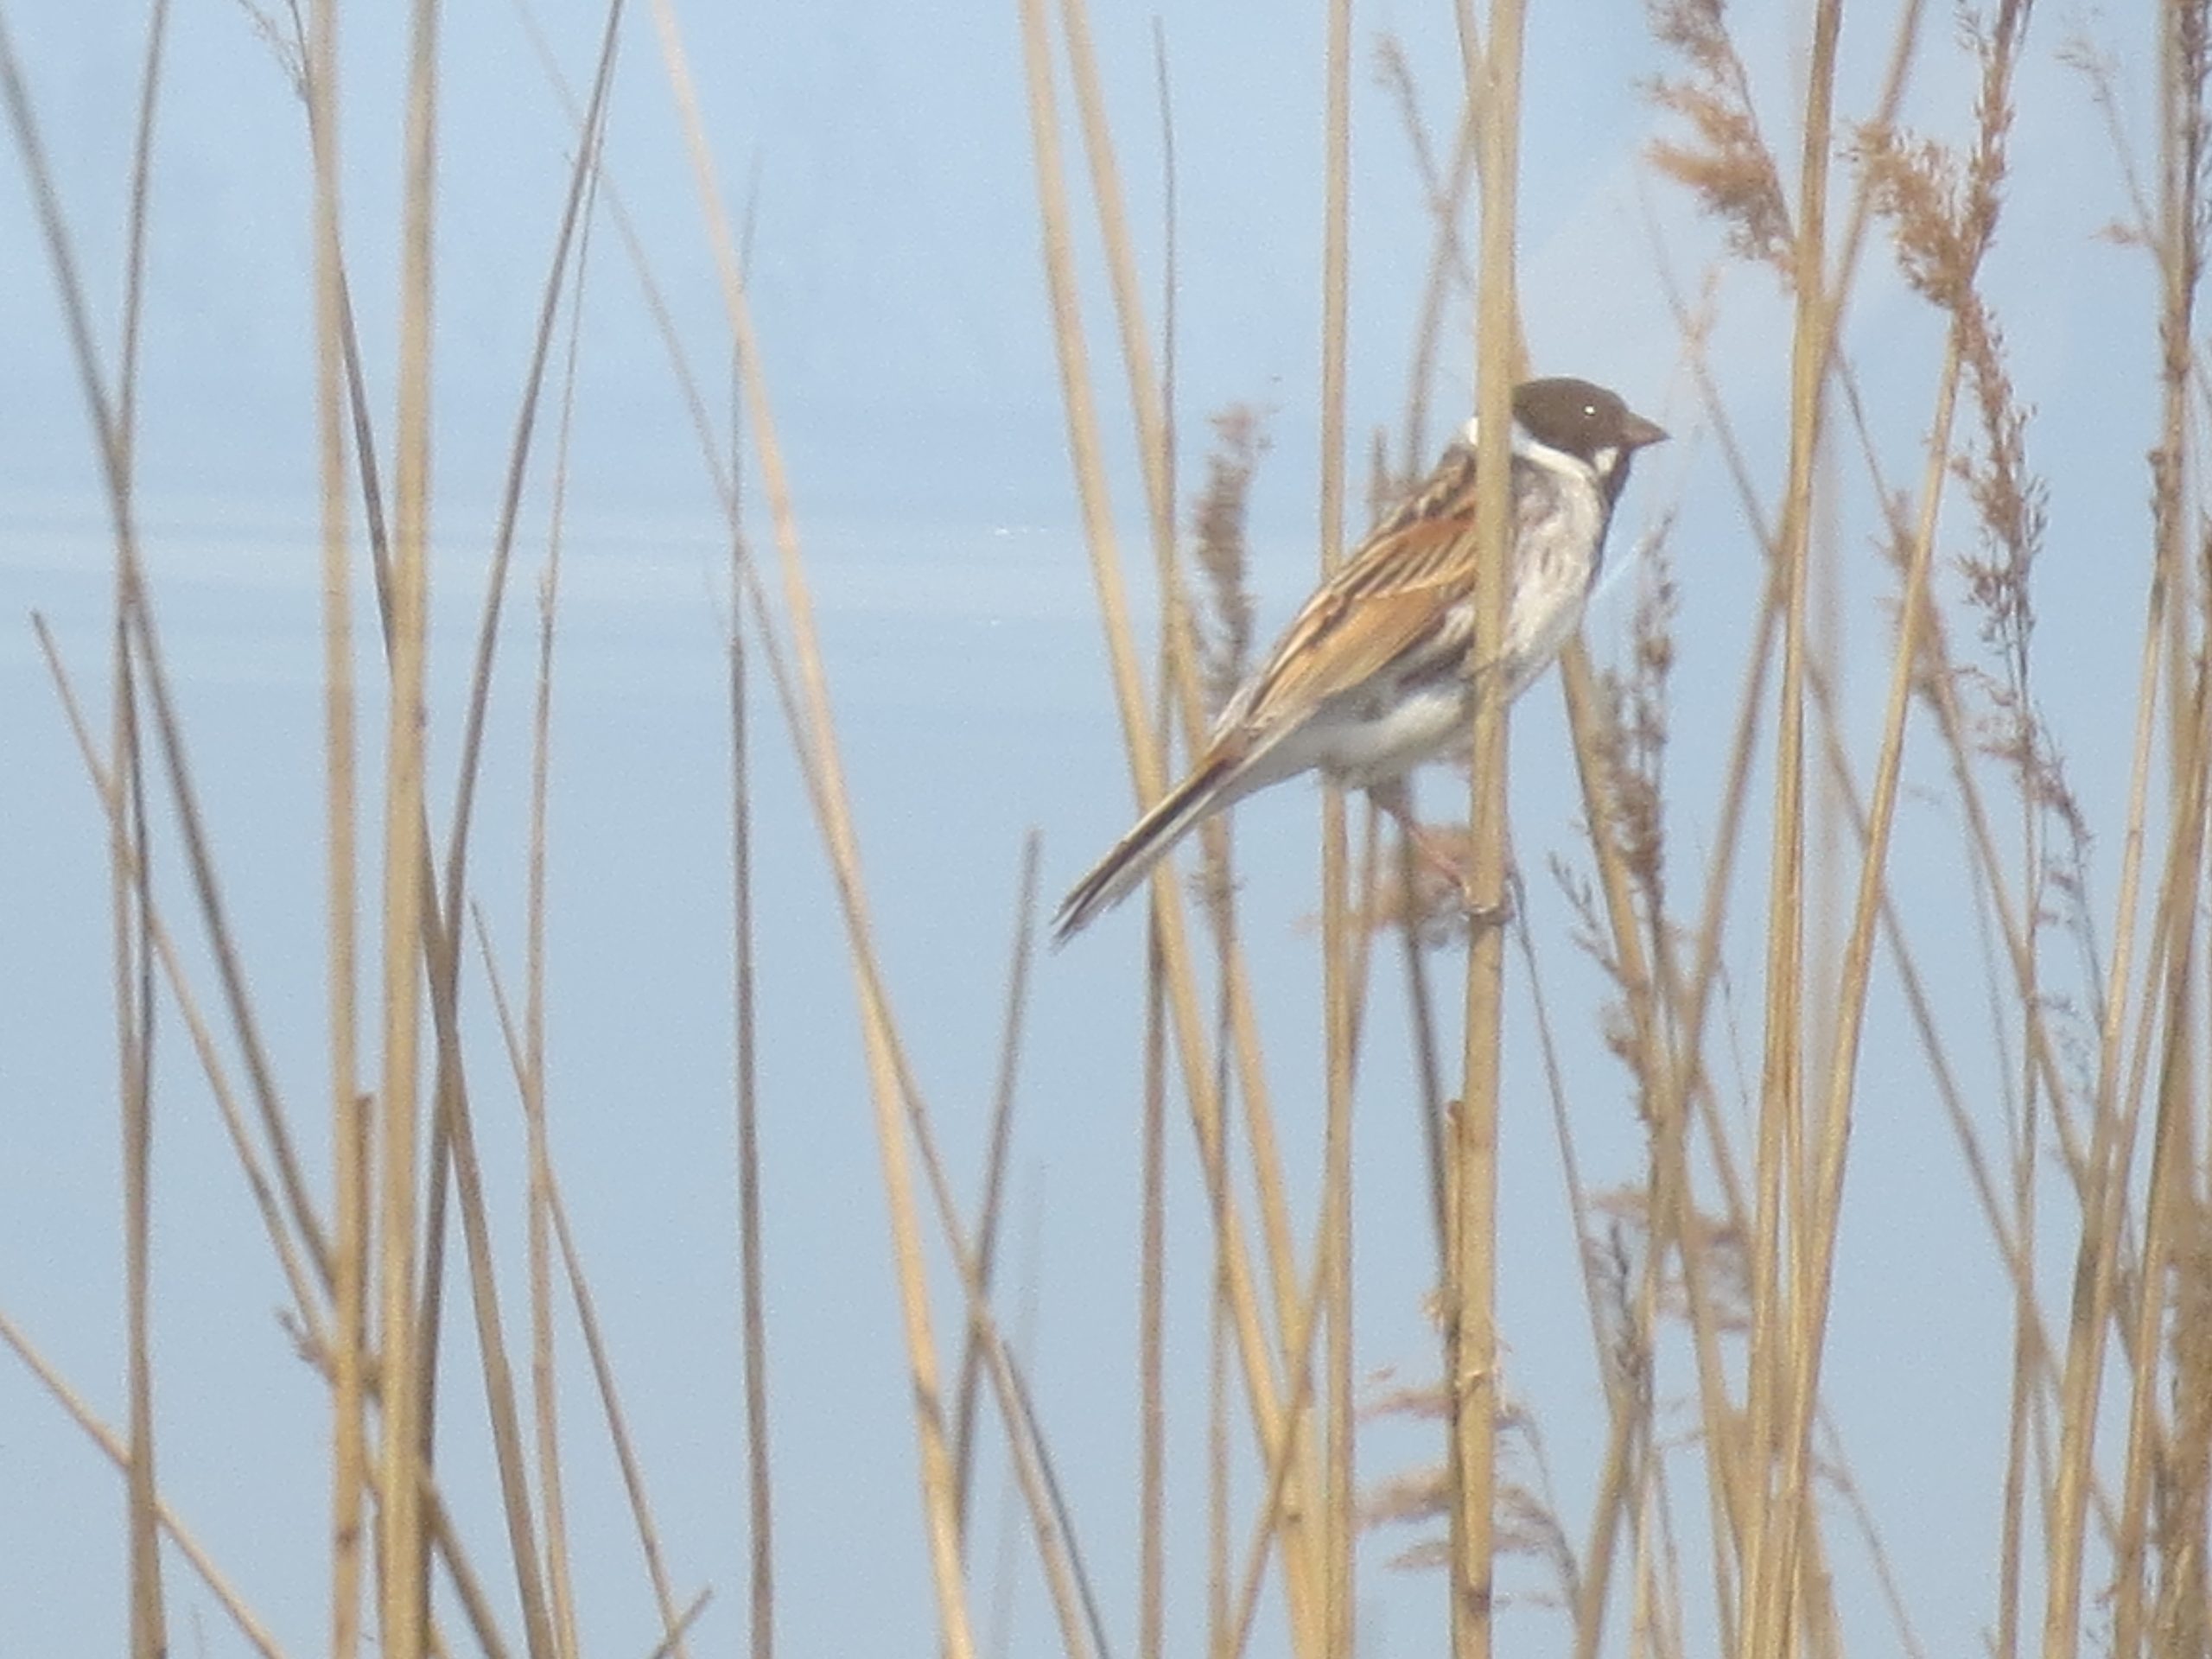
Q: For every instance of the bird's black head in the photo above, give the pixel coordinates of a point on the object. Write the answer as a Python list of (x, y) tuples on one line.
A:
[(1586, 421)]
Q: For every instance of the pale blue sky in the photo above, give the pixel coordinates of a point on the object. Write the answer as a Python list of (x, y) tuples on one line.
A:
[(905, 334)]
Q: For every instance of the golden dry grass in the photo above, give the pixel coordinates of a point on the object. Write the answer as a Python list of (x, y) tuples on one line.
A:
[(1709, 1273)]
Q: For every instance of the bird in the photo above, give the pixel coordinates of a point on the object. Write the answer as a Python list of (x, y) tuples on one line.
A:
[(1372, 677)]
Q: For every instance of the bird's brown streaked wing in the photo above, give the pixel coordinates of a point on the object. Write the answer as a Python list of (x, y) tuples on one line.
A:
[(1392, 598)]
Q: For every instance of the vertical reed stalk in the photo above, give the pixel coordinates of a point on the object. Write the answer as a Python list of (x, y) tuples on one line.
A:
[(1148, 407), (404, 1597), (2174, 246), (587, 1316), (132, 902), (1471, 1348), (305, 1299), (1333, 1243), (1783, 1218), (1200, 1088), (938, 1482), (760, 1602), (544, 1390), (991, 1208), (1152, 1265), (349, 1117), (1151, 1291)]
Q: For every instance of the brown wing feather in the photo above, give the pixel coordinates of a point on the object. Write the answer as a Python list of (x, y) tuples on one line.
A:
[(1390, 598)]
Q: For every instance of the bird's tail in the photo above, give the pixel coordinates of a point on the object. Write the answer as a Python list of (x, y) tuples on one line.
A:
[(1118, 874)]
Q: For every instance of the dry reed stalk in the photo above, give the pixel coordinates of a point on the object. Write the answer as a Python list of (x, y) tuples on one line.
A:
[(452, 1147), (2168, 1009), (2149, 1462), (1219, 1586), (1152, 1299), (835, 822), (306, 1306), (350, 1177), (1942, 259), (1149, 413), (317, 1345), (2182, 1610), (62, 258), (538, 1223), (2162, 1045), (760, 1600), (1821, 1217), (451, 1121), (1147, 401), (1679, 1086), (1420, 1000), (672, 1642), (1448, 272), (1154, 445), (1074, 1602), (131, 895), (1062, 1568), (990, 1209), (1152, 1240), (724, 476), (1470, 1330), (1781, 1360), (1629, 1434), (1152, 403), (1171, 270), (1665, 1034), (2104, 1194), (450, 1118), (1221, 556), (2172, 1207), (633, 1482), (1620, 1344), (454, 1136), (1175, 630), (234, 1603), (1233, 1634), (581, 174), (2039, 1056), (113, 418), (302, 1217), (403, 1601), (1085, 443), (1736, 176), (1332, 1246), (2009, 1245), (518, 1063)]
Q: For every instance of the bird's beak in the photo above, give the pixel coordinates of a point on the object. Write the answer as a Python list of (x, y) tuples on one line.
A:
[(1639, 432)]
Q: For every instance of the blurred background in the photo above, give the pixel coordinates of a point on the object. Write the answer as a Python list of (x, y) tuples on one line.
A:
[(881, 156)]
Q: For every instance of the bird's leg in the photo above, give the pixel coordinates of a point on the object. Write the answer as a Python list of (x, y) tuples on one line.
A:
[(1395, 798)]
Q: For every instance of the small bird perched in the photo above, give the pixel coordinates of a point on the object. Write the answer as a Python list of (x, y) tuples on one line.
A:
[(1372, 677)]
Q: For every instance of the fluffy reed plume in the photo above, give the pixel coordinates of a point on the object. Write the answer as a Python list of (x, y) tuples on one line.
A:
[(1942, 208), (1621, 1250), (1632, 738), (1219, 550), (1528, 1520), (1726, 163)]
